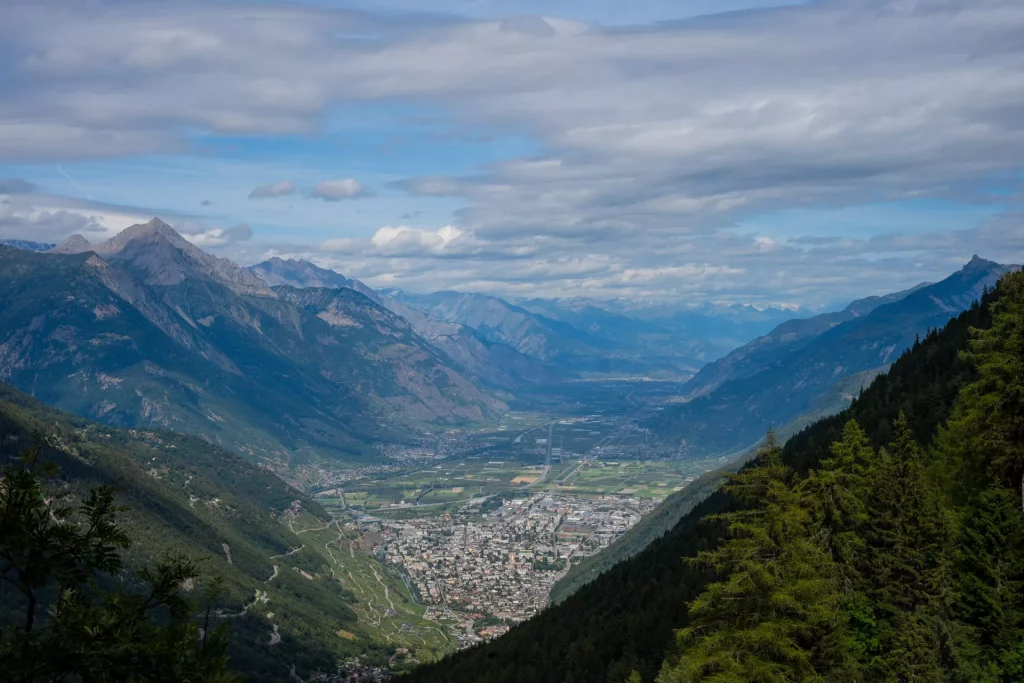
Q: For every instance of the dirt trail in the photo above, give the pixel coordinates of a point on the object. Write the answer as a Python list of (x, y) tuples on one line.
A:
[(290, 552), (386, 591)]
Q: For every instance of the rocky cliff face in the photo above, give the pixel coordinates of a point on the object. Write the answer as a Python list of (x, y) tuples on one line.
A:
[(490, 362)]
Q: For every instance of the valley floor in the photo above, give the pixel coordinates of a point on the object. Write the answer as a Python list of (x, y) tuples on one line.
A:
[(452, 542)]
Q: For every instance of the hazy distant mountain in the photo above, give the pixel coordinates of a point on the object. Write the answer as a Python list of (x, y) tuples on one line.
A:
[(148, 330), (496, 364), (576, 350), (791, 335), (692, 335), (28, 245), (553, 336), (792, 377)]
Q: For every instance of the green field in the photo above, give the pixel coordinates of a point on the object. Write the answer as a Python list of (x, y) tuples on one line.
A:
[(460, 480), (448, 482), (387, 611), (643, 478), (591, 455)]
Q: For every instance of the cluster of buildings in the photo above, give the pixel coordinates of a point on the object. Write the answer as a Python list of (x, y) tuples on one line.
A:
[(492, 565)]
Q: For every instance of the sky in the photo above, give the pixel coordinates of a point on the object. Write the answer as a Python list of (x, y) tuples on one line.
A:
[(681, 150)]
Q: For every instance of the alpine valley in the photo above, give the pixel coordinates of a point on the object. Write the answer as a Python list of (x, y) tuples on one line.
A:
[(453, 486)]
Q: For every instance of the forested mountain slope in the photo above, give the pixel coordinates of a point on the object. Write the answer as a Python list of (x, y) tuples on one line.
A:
[(791, 335), (187, 496), (734, 415), (625, 620)]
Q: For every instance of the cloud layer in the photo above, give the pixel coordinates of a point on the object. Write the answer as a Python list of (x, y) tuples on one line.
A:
[(279, 189), (336, 190), (654, 143)]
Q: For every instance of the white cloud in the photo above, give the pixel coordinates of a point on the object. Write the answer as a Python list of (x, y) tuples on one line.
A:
[(278, 189), (395, 238), (207, 238), (336, 190)]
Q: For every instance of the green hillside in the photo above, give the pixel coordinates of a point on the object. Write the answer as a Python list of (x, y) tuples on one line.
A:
[(625, 620), (270, 543)]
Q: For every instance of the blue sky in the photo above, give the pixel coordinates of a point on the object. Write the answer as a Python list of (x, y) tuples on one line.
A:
[(686, 150)]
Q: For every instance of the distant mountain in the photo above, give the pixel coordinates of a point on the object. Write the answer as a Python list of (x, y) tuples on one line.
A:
[(783, 380), (147, 330), (495, 364), (501, 322), (574, 350), (687, 336), (299, 273), (28, 245), (567, 337), (760, 354)]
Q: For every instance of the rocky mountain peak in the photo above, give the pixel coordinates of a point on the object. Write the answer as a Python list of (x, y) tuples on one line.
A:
[(154, 231), (76, 244), (167, 258), (300, 273), (978, 264)]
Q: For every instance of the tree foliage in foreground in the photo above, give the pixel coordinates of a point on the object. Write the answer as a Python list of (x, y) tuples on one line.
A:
[(60, 624), (891, 564)]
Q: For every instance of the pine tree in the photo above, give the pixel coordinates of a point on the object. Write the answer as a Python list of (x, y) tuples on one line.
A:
[(902, 564), (776, 604), (837, 496), (981, 461)]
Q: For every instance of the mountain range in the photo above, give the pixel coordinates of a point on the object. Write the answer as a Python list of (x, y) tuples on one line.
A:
[(514, 345), (28, 245), (147, 330), (586, 343), (806, 369), (491, 362), (285, 363), (683, 336)]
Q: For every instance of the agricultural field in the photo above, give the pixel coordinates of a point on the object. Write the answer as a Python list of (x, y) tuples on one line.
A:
[(447, 482), (640, 478), (582, 455)]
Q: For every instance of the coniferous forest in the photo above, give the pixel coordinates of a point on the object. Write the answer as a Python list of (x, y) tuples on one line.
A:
[(883, 544)]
